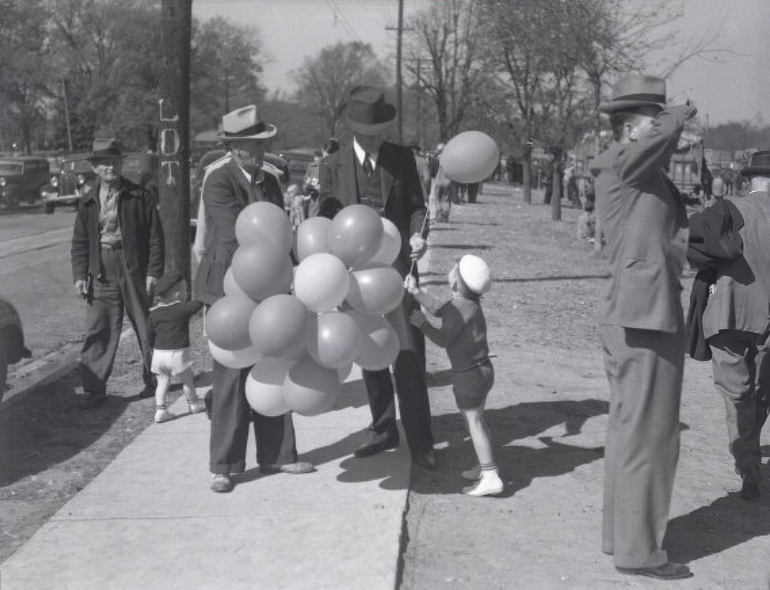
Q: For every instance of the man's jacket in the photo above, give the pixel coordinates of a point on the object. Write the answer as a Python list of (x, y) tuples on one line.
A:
[(645, 224), (226, 192), (140, 229), (402, 193), (714, 240)]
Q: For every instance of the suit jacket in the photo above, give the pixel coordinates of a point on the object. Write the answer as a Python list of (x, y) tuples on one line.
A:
[(742, 297), (645, 223), (401, 190), (226, 192)]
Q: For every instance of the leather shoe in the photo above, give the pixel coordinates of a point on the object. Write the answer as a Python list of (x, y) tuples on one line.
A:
[(90, 402), (222, 483), (372, 448), (750, 491), (666, 571), (425, 461), (290, 468)]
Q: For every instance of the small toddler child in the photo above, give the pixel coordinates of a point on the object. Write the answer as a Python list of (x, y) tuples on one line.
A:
[(170, 340), (463, 333)]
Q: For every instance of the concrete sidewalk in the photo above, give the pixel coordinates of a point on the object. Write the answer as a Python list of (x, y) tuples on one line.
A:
[(149, 521)]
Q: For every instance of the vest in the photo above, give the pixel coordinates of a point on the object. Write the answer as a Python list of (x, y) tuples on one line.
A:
[(369, 189)]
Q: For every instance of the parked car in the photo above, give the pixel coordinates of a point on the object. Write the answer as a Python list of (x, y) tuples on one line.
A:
[(21, 178), (77, 176), (12, 348)]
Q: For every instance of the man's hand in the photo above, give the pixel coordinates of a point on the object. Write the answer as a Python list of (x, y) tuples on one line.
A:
[(149, 284), (417, 318), (81, 288), (410, 284), (418, 246)]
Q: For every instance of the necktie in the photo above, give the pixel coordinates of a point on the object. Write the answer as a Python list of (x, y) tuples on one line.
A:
[(368, 168)]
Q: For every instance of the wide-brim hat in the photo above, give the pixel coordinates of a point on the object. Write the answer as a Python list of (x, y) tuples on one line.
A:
[(759, 164), (634, 91), (243, 124), (365, 111), (105, 147), (475, 273)]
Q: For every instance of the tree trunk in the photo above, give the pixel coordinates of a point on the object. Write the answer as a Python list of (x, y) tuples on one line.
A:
[(557, 186), (173, 133), (526, 176)]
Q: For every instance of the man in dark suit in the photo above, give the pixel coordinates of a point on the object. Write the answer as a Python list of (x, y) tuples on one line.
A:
[(384, 177), (735, 317), (235, 181), (642, 324)]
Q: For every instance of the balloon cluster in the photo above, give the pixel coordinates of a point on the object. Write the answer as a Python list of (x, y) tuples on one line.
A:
[(301, 346)]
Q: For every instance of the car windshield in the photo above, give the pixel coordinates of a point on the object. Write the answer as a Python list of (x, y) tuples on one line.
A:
[(7, 168)]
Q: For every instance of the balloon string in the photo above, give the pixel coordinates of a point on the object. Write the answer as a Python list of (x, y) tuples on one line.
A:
[(422, 231)]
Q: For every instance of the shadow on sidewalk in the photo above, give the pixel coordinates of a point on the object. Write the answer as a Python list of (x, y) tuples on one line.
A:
[(45, 428), (519, 464), (725, 523)]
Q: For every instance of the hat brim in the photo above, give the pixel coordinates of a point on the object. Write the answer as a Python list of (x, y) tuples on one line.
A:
[(755, 171), (103, 155), (267, 133), (617, 106), (368, 128)]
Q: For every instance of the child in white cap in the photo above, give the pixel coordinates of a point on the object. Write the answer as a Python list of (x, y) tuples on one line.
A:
[(170, 338), (463, 333)]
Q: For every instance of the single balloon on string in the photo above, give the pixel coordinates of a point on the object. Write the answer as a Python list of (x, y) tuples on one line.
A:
[(264, 386), (279, 326), (355, 234), (227, 322), (264, 221), (311, 389), (334, 339), (375, 291), (469, 157), (321, 282), (262, 269)]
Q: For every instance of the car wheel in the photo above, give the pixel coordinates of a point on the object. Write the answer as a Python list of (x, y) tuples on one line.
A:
[(3, 368), (49, 208)]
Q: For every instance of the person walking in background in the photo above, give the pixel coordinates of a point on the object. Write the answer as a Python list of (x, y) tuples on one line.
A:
[(237, 181), (117, 256), (735, 325), (311, 184), (443, 192), (463, 333), (383, 176), (170, 341), (641, 322)]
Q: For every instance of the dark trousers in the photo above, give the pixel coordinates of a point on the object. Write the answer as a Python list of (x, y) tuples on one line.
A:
[(231, 416), (113, 291), (413, 402), (644, 370), (736, 362)]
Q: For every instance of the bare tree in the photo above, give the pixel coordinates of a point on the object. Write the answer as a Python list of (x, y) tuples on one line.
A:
[(444, 37), (325, 80)]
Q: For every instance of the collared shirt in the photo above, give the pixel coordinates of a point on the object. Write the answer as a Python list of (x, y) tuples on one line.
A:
[(108, 217), (361, 154)]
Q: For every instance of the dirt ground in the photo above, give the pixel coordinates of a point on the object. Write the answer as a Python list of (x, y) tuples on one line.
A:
[(548, 414)]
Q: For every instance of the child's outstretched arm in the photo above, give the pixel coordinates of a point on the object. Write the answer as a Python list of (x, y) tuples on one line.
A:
[(451, 325), (431, 304)]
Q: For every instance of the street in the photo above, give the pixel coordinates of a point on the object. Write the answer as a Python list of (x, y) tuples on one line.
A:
[(35, 275)]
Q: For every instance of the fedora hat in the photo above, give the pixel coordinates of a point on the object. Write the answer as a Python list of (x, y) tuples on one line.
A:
[(242, 124), (365, 111), (105, 147), (759, 164), (636, 90)]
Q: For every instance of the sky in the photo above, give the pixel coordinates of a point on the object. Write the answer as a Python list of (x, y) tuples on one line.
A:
[(734, 85)]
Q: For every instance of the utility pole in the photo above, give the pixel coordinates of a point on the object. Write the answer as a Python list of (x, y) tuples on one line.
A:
[(399, 82), (174, 133), (67, 115)]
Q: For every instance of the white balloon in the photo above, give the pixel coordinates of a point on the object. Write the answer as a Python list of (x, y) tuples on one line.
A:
[(264, 386), (390, 246), (234, 359)]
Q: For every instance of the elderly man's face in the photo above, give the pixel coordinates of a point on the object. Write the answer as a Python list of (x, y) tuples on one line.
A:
[(107, 169), (370, 143), (251, 151)]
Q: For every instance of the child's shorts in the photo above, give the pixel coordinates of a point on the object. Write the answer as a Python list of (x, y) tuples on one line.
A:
[(170, 362), (471, 386)]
